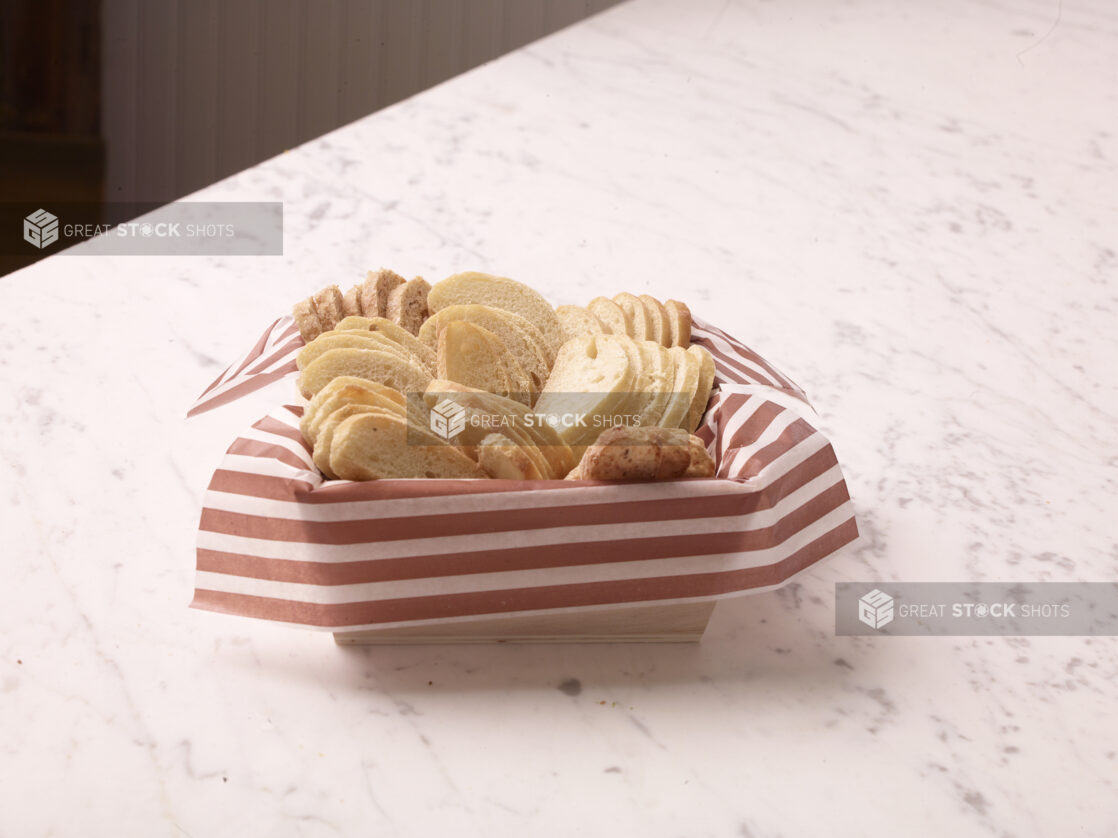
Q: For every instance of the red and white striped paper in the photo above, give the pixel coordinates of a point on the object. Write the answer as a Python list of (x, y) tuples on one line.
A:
[(279, 542)]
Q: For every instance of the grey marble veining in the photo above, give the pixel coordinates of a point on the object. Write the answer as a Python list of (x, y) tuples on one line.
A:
[(908, 208)]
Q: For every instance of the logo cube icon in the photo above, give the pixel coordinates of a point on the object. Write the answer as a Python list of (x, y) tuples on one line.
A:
[(448, 418), (875, 609), (40, 228)]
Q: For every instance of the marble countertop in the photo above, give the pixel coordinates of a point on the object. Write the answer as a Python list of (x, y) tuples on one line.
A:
[(909, 208)]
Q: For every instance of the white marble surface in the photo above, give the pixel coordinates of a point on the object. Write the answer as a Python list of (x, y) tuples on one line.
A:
[(909, 207)]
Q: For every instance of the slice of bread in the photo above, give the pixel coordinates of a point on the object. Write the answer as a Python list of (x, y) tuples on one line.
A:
[(537, 434), (324, 440), (636, 315), (328, 306), (355, 339), (577, 321), (351, 302), (306, 318), (395, 332), (657, 378), (407, 304), (661, 331), (372, 446), (375, 365), (702, 388), (591, 377), (701, 463), (503, 459), (612, 317), (500, 292), (344, 390), (374, 291), (523, 340), (679, 321), (687, 367), (472, 356)]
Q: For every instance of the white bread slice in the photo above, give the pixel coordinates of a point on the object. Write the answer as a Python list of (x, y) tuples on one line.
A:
[(658, 319), (592, 376), (537, 434), (702, 388), (472, 356), (523, 340), (374, 291), (612, 317), (395, 332), (328, 305), (372, 446), (500, 292), (407, 304), (503, 459), (373, 364), (687, 367), (356, 339), (635, 314), (306, 318), (679, 320), (323, 442), (577, 321), (346, 389), (657, 378)]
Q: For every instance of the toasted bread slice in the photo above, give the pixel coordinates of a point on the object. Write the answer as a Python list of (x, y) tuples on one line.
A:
[(577, 321), (500, 292), (661, 331), (351, 302), (679, 322), (374, 291), (636, 315), (523, 339), (687, 368), (306, 318), (613, 318), (637, 454), (371, 446), (503, 459), (407, 304), (702, 388), (373, 364), (328, 305), (344, 390)]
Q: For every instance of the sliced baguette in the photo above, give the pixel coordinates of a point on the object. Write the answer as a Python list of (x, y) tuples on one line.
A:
[(375, 290), (657, 378), (702, 388), (407, 304), (373, 364), (576, 322), (679, 323), (394, 331), (687, 367), (500, 292), (658, 319), (473, 356), (523, 340), (636, 315), (613, 318), (355, 339), (637, 454), (325, 438), (351, 302), (306, 318), (372, 446), (328, 305), (346, 389), (503, 459)]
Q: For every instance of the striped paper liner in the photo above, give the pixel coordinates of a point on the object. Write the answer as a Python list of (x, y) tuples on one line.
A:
[(277, 541)]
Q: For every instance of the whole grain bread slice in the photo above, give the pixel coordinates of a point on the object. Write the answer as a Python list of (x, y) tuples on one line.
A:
[(375, 290), (407, 304)]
